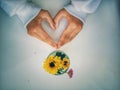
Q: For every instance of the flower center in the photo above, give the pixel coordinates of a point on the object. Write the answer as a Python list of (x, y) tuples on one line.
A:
[(51, 64), (65, 62)]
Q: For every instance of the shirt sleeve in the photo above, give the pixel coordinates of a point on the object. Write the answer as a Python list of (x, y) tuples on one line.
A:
[(22, 8), (81, 8)]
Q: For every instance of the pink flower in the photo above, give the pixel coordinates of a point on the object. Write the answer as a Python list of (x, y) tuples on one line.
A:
[(70, 73)]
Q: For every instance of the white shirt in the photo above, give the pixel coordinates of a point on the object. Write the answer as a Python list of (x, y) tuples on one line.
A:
[(27, 10)]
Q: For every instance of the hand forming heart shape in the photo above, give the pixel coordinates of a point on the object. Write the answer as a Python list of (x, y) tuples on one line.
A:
[(73, 27)]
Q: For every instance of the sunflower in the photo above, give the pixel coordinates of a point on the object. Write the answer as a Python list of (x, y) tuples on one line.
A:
[(65, 63), (50, 65), (56, 63)]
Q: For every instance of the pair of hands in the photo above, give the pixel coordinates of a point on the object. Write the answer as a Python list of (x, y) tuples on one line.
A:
[(73, 27)]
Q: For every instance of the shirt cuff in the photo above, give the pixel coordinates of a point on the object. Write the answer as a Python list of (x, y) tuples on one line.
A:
[(27, 12), (79, 14), (11, 6), (81, 8)]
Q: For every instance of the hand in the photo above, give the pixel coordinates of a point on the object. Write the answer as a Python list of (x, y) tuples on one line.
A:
[(35, 28), (73, 27)]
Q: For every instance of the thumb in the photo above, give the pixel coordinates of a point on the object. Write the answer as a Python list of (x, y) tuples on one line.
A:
[(50, 21), (57, 19)]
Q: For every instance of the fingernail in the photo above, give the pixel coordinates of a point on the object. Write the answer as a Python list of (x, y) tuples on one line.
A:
[(59, 45), (54, 27), (54, 45)]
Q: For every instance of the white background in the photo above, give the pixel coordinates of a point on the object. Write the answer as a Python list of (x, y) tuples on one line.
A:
[(94, 53)]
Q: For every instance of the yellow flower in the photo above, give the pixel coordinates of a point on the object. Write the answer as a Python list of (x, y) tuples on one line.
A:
[(65, 63), (55, 65), (58, 61), (50, 66)]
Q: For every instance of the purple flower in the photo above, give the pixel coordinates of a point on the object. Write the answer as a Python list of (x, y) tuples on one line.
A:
[(70, 73)]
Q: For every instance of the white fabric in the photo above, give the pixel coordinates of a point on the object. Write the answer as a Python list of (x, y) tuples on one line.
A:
[(23, 9), (80, 8), (11, 6), (26, 10)]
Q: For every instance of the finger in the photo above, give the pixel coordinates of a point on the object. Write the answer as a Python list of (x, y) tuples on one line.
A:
[(75, 32), (69, 33), (50, 21), (42, 35), (57, 19), (65, 37), (71, 36), (47, 40)]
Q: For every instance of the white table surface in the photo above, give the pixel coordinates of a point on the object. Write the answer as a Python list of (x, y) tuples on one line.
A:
[(94, 54)]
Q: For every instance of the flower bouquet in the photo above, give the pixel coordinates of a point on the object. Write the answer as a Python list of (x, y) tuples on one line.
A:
[(57, 63)]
